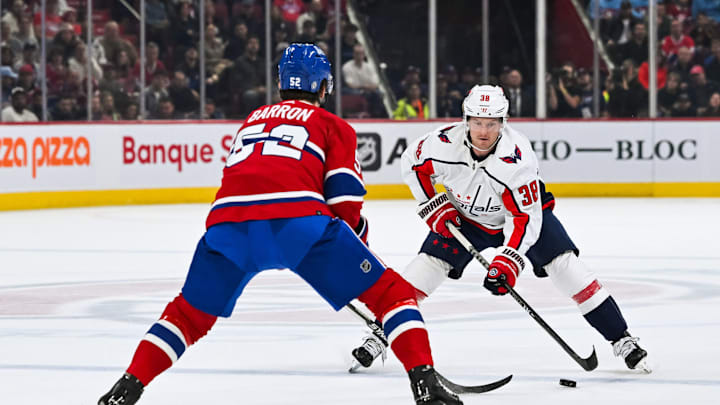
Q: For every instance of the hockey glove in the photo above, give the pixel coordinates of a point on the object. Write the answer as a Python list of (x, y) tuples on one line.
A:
[(436, 211), (361, 230), (508, 263)]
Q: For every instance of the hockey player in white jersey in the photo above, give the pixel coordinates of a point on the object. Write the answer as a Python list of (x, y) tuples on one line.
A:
[(495, 194)]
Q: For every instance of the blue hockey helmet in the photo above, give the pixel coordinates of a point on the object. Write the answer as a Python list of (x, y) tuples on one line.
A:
[(304, 67)]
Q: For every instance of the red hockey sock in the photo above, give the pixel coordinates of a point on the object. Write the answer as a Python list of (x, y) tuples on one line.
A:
[(392, 300), (179, 326)]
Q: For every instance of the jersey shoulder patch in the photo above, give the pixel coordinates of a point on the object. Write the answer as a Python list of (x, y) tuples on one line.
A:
[(513, 157)]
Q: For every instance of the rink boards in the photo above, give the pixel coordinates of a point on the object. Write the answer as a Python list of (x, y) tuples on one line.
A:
[(119, 163)]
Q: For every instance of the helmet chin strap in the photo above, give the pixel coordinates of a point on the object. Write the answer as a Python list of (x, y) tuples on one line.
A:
[(483, 150)]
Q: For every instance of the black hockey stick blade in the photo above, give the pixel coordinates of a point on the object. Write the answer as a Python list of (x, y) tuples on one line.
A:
[(473, 389)]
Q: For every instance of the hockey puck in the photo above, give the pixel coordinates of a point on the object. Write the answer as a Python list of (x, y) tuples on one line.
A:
[(568, 383)]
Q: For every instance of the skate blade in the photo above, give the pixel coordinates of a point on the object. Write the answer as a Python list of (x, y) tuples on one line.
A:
[(355, 366), (643, 366)]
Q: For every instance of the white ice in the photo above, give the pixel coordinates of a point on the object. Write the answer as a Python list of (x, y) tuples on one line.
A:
[(80, 287)]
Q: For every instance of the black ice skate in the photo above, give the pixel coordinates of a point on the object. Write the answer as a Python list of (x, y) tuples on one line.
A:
[(635, 357), (428, 389), (126, 391), (365, 354)]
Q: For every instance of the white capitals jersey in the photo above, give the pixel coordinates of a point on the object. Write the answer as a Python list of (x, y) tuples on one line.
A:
[(501, 193)]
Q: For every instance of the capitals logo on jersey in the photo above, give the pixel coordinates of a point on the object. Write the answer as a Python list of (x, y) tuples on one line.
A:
[(443, 134), (517, 155)]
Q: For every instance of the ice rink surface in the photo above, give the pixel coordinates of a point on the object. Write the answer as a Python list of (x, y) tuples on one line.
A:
[(80, 287)]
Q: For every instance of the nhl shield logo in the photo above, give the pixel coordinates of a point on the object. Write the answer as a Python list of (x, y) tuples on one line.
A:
[(365, 266), (369, 151)]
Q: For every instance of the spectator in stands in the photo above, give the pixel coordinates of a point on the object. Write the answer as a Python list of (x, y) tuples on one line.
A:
[(95, 107), (451, 75), (130, 112), (236, 44), (184, 29), (664, 21), (360, 78), (191, 68), (212, 18), (17, 111), (107, 103), (251, 14), (248, 77), (280, 42), (564, 96), (8, 80), (662, 71), (157, 90), (672, 43), (7, 55), (710, 8), (214, 48), (712, 62), (65, 109), (449, 102), (683, 107), (636, 48), (316, 14), (56, 72), (308, 33), (185, 99), (618, 30), (157, 22), (13, 15), (585, 87), (634, 97), (668, 95), (349, 39), (713, 108), (211, 111), (467, 80), (69, 16), (26, 79), (25, 33), (683, 63), (702, 34), (152, 62), (29, 57), (700, 88), (522, 102), (9, 40), (52, 19), (77, 65), (413, 106), (124, 71), (166, 110), (679, 9), (291, 9), (65, 40), (107, 46)]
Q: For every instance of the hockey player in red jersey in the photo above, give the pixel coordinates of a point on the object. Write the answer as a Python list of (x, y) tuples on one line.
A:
[(495, 194), (290, 198)]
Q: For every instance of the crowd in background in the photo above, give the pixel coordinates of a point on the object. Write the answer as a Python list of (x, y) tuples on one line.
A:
[(235, 80)]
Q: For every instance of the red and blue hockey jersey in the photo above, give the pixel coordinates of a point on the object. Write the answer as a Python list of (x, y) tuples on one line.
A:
[(290, 159)]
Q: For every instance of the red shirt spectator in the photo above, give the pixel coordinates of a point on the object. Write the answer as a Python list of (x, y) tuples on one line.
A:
[(644, 76), (676, 39), (52, 20), (291, 9)]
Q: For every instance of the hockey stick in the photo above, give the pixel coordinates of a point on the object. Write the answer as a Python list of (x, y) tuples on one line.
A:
[(457, 388), (587, 364)]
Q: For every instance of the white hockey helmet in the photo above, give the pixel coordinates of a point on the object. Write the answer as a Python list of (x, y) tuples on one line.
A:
[(486, 102)]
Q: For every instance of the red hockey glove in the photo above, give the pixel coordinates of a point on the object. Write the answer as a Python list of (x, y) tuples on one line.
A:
[(436, 211), (509, 263), (362, 229)]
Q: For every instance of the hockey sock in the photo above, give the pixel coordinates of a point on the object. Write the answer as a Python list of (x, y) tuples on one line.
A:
[(608, 320), (392, 300), (179, 326)]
